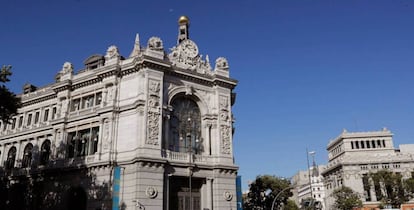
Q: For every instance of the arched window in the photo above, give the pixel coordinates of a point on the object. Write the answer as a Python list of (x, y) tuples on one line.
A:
[(185, 127), (27, 156), (45, 152), (11, 158)]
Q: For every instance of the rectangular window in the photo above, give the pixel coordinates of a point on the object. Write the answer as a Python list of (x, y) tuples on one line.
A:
[(383, 143), (87, 101), (373, 144), (37, 117), (20, 121), (54, 110), (83, 142), (368, 144), (46, 115), (29, 119), (4, 126), (362, 145), (352, 145), (14, 123), (357, 144), (98, 98), (75, 105)]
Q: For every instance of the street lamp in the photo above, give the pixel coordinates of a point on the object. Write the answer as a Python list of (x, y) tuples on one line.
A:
[(192, 136), (278, 194)]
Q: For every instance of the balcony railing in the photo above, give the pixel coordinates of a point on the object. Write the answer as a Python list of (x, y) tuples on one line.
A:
[(183, 157)]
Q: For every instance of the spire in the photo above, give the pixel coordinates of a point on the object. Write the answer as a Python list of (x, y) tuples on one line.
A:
[(315, 170), (183, 25), (137, 47)]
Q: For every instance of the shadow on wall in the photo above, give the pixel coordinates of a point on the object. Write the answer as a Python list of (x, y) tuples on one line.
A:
[(51, 183)]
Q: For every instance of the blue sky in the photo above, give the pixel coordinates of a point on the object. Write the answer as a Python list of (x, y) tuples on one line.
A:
[(306, 68)]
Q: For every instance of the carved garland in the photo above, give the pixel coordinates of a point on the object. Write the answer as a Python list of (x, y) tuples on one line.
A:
[(153, 113), (225, 128)]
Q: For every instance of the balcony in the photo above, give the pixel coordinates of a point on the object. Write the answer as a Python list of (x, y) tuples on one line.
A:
[(184, 157)]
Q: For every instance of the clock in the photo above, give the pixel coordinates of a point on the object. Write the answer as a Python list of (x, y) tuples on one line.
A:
[(189, 48)]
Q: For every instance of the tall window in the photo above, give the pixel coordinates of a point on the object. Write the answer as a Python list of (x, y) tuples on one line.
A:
[(46, 115), (11, 158), (86, 102), (20, 121), (83, 142), (185, 127), (29, 119), (37, 117), (27, 156), (13, 123), (45, 152), (54, 111)]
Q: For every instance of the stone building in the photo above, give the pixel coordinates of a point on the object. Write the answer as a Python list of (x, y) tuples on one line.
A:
[(354, 155), (149, 131), (309, 184)]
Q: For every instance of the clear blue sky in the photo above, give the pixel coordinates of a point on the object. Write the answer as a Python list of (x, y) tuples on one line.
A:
[(306, 68)]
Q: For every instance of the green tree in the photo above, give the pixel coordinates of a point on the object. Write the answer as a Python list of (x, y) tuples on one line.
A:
[(346, 199), (263, 191), (390, 188), (9, 103), (291, 205)]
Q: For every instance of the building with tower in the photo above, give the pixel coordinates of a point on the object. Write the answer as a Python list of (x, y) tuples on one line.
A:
[(152, 131)]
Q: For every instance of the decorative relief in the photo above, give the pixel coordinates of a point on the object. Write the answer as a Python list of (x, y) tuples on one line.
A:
[(153, 128), (228, 196), (112, 52), (225, 128), (153, 113), (67, 68), (151, 192), (224, 102), (153, 102), (221, 64), (155, 43), (106, 135), (225, 139), (185, 55), (154, 87)]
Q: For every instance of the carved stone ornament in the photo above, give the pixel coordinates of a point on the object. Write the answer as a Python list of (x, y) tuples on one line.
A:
[(112, 52), (151, 192), (154, 87), (228, 196), (222, 64), (153, 128), (67, 68), (155, 43), (225, 139), (224, 102), (185, 55)]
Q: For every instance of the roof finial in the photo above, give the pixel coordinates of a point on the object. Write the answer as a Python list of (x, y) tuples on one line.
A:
[(183, 25)]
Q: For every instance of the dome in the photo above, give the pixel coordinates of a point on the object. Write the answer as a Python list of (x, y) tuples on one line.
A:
[(183, 20)]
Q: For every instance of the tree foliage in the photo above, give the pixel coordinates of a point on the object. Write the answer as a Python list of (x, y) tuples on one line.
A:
[(263, 191), (391, 189), (346, 199), (291, 205), (9, 103)]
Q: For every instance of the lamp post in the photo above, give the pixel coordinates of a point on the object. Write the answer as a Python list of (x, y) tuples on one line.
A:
[(278, 194), (191, 134)]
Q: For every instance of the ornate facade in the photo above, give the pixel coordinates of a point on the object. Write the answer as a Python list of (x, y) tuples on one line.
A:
[(163, 119), (354, 155)]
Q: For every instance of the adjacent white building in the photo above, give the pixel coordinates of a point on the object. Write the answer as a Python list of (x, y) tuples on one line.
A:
[(157, 125), (353, 155), (309, 184)]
